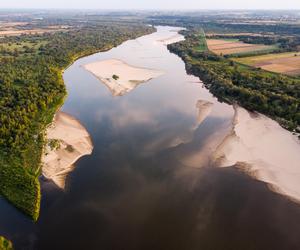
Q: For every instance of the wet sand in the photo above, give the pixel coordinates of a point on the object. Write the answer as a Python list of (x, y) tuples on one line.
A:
[(264, 150), (128, 77)]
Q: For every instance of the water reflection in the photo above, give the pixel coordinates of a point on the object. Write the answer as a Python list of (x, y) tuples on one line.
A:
[(149, 183)]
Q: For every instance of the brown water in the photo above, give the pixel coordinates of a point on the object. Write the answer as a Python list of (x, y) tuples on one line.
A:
[(149, 183)]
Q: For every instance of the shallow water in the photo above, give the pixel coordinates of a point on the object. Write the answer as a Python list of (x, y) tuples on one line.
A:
[(149, 183)]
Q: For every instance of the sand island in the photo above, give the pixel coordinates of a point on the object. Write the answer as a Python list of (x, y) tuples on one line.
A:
[(263, 149), (68, 140), (120, 77)]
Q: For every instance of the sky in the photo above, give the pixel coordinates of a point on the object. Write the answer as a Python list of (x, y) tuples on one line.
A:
[(152, 4)]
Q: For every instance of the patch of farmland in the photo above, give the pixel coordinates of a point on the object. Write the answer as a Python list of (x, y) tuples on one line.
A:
[(229, 47), (285, 63)]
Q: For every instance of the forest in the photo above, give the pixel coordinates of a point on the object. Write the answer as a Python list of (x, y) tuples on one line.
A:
[(31, 91)]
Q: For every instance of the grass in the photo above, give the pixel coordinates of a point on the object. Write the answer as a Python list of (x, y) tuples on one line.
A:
[(258, 52), (289, 65), (251, 60)]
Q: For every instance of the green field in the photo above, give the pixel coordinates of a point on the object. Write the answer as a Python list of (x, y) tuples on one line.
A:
[(271, 49), (252, 60)]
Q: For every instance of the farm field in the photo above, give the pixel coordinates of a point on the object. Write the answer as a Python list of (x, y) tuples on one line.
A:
[(19, 28), (233, 46), (211, 34), (28, 32), (285, 63)]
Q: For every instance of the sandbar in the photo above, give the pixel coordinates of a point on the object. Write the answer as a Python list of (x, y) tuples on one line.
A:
[(73, 142), (263, 149), (120, 77)]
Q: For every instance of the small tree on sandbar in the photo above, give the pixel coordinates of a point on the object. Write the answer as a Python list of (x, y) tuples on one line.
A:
[(115, 77)]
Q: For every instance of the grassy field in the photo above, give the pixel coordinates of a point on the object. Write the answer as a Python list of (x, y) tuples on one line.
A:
[(234, 47), (285, 63)]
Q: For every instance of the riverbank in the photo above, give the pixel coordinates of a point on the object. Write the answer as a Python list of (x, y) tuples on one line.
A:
[(269, 93), (260, 147), (120, 77), (257, 145), (31, 107), (67, 140)]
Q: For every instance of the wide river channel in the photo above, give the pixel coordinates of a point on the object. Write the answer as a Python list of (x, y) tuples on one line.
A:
[(150, 182)]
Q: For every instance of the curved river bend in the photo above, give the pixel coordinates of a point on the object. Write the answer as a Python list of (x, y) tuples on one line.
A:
[(150, 182)]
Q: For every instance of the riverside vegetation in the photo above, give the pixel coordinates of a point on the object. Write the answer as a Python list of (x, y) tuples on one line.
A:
[(275, 95), (31, 91)]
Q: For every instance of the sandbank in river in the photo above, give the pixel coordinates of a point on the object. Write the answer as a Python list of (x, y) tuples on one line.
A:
[(74, 142), (126, 77), (264, 150), (256, 144)]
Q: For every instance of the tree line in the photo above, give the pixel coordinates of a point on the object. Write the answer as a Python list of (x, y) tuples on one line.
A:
[(275, 95)]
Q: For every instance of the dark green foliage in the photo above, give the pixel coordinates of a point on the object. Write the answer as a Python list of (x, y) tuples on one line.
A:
[(275, 95), (31, 90)]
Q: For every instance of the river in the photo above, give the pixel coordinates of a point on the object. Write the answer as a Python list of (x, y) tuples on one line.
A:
[(150, 182)]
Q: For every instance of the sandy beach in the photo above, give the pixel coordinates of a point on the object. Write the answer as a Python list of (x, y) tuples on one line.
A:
[(73, 142), (120, 77), (264, 150)]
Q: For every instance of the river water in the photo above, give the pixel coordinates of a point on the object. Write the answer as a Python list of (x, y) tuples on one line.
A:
[(150, 183)]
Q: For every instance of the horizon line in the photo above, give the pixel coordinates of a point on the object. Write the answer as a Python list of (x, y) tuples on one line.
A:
[(148, 9)]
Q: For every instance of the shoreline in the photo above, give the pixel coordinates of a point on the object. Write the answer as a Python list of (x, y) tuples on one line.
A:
[(72, 142), (120, 77), (74, 59), (61, 103), (248, 148)]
